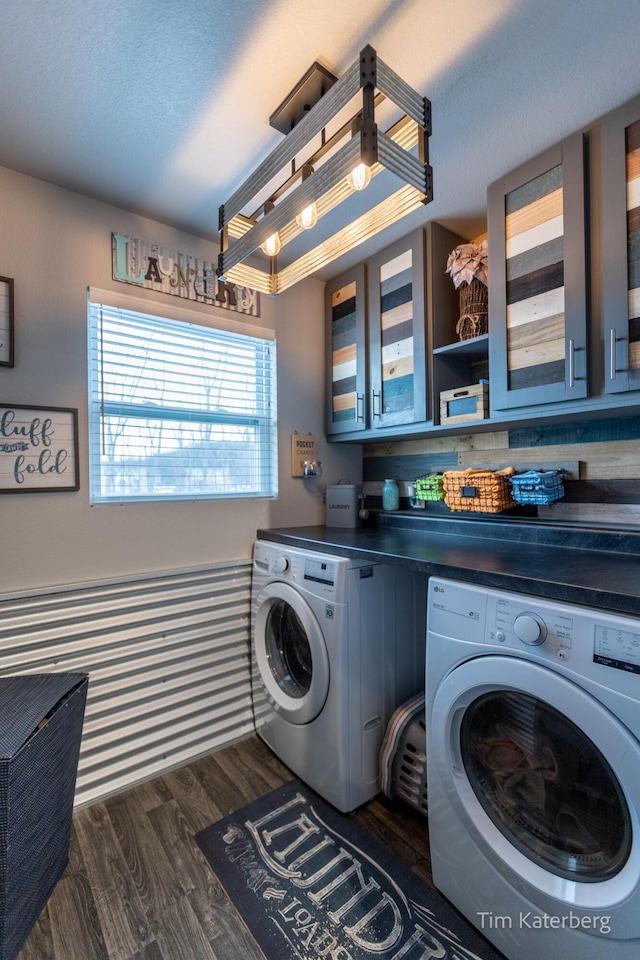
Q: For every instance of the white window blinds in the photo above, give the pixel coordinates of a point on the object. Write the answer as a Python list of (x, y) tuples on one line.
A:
[(178, 411)]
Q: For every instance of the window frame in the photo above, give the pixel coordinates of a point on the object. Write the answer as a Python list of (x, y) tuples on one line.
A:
[(264, 422)]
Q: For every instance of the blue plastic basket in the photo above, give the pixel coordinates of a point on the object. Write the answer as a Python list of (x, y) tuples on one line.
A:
[(537, 486)]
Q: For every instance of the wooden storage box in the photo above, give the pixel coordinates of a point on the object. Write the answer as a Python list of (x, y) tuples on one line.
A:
[(465, 403), (41, 720)]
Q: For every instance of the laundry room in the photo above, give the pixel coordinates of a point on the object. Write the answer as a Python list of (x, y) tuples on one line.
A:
[(320, 486)]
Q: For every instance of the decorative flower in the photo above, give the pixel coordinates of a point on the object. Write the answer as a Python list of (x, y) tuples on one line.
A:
[(468, 261)]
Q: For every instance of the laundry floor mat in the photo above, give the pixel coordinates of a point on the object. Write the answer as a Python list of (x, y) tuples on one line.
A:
[(311, 884)]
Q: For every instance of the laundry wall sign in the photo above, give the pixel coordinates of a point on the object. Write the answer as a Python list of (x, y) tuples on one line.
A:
[(38, 449), (179, 274)]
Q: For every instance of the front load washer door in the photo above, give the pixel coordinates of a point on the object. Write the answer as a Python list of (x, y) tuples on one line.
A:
[(291, 653), (545, 779)]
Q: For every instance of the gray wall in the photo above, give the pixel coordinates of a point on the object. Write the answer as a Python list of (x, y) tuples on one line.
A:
[(55, 244)]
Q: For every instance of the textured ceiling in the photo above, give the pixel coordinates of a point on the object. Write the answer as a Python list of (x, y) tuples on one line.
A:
[(162, 108)]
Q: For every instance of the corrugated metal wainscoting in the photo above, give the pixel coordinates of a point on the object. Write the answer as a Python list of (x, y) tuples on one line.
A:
[(168, 663)]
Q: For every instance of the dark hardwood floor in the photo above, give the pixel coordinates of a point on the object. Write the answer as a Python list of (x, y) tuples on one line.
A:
[(137, 886)]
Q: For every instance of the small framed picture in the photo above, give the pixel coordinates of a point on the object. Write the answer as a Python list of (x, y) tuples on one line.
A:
[(6, 322), (38, 449)]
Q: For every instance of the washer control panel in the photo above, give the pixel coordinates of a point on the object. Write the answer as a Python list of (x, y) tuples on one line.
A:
[(321, 574), (616, 647), (598, 646), (516, 626), (320, 571)]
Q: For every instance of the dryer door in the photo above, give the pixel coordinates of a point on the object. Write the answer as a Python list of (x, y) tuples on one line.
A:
[(544, 778), (290, 653)]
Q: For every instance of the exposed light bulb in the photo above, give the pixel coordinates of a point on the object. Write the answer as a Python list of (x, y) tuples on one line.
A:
[(308, 217), (272, 245), (360, 177)]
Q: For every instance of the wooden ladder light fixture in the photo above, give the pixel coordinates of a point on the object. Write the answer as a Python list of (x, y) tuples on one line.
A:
[(322, 184)]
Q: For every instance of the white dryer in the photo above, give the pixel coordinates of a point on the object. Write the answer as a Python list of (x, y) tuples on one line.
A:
[(533, 758), (337, 645)]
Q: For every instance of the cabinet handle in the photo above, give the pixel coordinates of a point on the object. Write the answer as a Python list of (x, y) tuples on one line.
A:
[(572, 358), (612, 355), (373, 405), (360, 406)]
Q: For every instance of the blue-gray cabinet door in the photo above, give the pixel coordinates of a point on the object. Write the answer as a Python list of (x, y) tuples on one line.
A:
[(346, 356), (620, 212), (537, 280), (397, 334)]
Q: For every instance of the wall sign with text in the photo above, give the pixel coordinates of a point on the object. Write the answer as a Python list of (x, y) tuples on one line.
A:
[(153, 267), (38, 449)]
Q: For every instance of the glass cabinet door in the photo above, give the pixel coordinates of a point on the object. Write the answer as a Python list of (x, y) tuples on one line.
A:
[(397, 334), (620, 138), (537, 280), (346, 353)]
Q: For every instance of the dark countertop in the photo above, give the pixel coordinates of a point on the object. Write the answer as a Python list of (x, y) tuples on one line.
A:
[(593, 567)]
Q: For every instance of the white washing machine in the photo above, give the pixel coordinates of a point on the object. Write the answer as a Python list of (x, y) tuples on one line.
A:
[(533, 760), (337, 645)]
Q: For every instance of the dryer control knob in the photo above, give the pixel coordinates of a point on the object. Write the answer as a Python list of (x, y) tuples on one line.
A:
[(530, 629), (281, 565)]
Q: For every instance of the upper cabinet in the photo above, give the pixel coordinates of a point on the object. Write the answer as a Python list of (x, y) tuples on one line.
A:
[(376, 342), (564, 305), (379, 318), (537, 280), (620, 210)]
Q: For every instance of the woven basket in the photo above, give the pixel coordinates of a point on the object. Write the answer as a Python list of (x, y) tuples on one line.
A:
[(474, 310), (481, 491)]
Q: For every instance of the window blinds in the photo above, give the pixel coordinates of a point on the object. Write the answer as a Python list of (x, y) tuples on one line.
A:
[(178, 411)]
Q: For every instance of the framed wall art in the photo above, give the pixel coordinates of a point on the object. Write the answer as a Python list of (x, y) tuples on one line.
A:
[(6, 322), (38, 449)]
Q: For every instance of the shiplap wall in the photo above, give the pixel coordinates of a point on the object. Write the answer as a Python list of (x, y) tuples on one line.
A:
[(168, 663), (606, 454)]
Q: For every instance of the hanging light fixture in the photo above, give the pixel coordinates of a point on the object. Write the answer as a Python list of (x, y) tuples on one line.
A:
[(344, 162)]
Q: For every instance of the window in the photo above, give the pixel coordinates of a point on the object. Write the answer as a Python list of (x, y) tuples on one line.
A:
[(178, 411)]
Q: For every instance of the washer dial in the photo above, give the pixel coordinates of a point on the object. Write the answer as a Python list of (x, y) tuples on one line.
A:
[(530, 629)]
